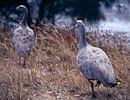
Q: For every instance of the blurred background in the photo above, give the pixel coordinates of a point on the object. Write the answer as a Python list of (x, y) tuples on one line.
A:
[(106, 14)]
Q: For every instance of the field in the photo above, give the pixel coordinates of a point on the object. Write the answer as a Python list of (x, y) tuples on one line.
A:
[(52, 71)]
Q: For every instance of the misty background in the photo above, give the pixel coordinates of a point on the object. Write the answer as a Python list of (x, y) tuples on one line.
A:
[(102, 15)]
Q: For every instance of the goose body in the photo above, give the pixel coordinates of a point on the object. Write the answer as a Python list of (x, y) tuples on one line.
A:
[(23, 37), (93, 61), (95, 65), (23, 40)]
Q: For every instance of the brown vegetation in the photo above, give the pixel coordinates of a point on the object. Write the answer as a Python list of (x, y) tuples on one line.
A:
[(52, 72)]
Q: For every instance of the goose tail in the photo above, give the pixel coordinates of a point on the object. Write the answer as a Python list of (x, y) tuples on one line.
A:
[(117, 83)]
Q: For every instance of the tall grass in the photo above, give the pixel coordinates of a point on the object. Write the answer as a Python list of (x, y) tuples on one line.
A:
[(52, 71)]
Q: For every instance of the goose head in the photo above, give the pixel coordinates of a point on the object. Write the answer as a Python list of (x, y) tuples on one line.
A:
[(79, 26), (22, 9)]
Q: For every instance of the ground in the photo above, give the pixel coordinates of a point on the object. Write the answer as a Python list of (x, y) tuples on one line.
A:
[(52, 71)]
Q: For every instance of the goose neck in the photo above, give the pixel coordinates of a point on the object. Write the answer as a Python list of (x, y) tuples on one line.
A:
[(82, 42), (24, 19)]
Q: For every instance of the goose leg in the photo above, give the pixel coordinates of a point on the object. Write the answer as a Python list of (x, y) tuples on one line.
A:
[(19, 60), (24, 63), (92, 88)]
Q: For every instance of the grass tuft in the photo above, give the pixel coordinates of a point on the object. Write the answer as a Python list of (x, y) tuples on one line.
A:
[(52, 70)]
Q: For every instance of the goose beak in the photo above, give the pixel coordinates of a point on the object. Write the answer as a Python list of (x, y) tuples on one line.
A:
[(75, 21), (17, 8)]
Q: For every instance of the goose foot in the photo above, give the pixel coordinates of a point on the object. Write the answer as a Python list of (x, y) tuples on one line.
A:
[(19, 63), (92, 96), (108, 95), (24, 65)]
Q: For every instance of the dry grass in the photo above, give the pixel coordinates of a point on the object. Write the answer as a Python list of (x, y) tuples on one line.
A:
[(62, 80)]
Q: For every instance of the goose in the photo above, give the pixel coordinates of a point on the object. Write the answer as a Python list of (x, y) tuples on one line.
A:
[(23, 37), (93, 61)]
